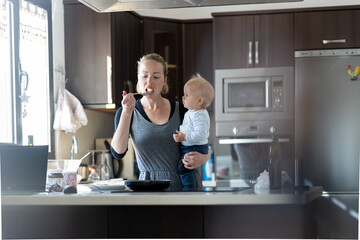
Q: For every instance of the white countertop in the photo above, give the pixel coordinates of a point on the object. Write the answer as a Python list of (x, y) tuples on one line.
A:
[(126, 198)]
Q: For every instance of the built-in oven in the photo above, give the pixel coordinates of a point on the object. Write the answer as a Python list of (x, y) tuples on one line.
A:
[(248, 103)]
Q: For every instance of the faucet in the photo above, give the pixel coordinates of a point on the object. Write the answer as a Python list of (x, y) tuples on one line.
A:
[(74, 147)]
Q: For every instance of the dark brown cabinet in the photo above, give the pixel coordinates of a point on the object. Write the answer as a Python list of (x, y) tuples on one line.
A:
[(286, 221), (101, 50), (327, 29), (87, 54), (244, 41), (198, 51), (165, 38), (126, 51)]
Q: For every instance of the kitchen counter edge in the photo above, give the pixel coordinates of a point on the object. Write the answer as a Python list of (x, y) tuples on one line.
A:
[(246, 197)]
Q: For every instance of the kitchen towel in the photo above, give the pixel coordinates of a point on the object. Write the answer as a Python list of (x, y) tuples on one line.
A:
[(70, 114)]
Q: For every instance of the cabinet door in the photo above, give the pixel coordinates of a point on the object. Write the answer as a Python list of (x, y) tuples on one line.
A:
[(254, 41), (273, 40), (312, 28), (87, 53), (198, 52), (232, 38), (164, 38), (126, 51)]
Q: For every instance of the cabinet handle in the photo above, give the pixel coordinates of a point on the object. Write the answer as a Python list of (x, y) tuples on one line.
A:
[(256, 52), (250, 51), (130, 85), (334, 41), (250, 140)]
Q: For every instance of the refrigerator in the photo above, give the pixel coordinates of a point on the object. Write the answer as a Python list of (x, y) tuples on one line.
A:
[(327, 135)]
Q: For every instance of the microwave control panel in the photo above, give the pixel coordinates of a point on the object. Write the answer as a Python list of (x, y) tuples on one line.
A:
[(277, 95)]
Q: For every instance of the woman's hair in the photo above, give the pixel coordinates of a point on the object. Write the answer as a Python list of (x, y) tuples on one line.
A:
[(157, 58), (203, 88)]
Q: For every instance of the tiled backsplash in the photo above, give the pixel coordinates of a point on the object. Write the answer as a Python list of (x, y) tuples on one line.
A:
[(100, 125)]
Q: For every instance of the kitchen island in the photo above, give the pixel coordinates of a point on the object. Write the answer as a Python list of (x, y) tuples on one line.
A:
[(286, 213)]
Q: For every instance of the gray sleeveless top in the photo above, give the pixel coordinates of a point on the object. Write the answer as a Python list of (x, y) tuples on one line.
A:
[(156, 151)]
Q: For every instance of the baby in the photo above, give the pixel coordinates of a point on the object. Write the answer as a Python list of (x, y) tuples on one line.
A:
[(194, 131)]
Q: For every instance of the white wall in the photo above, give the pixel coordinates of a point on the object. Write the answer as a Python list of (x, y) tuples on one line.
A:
[(100, 124)]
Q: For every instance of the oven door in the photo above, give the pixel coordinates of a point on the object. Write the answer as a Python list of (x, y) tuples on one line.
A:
[(247, 94)]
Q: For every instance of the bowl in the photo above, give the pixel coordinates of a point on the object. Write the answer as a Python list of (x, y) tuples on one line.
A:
[(66, 165)]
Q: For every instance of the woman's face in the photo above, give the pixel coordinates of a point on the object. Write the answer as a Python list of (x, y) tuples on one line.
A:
[(151, 76)]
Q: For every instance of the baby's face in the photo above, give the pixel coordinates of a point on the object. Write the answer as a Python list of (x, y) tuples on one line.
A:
[(191, 99)]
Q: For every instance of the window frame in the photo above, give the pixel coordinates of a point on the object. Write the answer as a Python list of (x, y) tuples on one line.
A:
[(15, 71)]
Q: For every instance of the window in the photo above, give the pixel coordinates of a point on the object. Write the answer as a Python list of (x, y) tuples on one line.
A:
[(26, 86)]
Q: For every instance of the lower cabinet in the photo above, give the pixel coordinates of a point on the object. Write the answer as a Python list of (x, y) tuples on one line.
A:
[(229, 221), (155, 222), (261, 221), (49, 222)]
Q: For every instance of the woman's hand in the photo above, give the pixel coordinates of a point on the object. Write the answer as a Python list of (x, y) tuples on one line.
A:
[(128, 102), (193, 160)]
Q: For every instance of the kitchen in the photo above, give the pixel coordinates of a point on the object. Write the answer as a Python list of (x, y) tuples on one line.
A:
[(100, 124)]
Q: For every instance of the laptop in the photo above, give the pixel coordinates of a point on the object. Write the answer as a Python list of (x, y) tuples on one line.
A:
[(23, 168)]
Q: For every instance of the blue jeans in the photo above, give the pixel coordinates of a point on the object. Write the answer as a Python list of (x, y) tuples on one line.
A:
[(187, 175)]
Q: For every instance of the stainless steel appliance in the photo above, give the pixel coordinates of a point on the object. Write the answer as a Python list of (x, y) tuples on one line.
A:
[(250, 101), (327, 135)]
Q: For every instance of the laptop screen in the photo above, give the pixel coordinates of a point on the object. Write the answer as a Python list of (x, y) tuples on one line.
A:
[(23, 168)]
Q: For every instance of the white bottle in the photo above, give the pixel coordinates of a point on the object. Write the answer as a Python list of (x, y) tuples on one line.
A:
[(208, 168)]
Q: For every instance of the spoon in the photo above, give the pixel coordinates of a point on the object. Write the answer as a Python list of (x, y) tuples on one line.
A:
[(146, 93)]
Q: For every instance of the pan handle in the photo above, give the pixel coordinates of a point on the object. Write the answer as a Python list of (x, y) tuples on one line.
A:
[(120, 165)]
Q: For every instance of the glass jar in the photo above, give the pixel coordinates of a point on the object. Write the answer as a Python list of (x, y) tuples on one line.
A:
[(55, 176)]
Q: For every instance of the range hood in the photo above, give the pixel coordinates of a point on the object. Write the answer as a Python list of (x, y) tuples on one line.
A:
[(133, 5)]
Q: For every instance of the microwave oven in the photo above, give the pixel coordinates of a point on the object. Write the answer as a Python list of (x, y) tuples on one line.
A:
[(248, 102)]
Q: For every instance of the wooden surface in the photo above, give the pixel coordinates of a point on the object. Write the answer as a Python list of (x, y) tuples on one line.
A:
[(273, 32), (87, 47), (311, 28)]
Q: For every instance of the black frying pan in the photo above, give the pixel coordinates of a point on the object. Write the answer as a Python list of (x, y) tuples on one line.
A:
[(147, 185)]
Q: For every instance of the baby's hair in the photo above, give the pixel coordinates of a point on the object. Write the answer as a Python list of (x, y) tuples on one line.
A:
[(203, 88)]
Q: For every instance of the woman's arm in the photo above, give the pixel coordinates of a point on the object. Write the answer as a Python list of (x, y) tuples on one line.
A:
[(193, 160), (121, 136)]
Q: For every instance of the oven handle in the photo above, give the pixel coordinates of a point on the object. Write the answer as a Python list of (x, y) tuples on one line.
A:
[(250, 140)]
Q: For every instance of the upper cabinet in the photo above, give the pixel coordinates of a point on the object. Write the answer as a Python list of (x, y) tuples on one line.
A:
[(198, 51), (165, 38), (88, 54), (327, 29), (245, 41), (101, 50), (126, 51)]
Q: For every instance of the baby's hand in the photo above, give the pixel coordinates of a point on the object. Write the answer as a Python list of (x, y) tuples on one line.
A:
[(179, 136)]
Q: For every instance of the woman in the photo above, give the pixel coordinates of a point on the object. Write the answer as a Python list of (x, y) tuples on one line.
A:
[(151, 123)]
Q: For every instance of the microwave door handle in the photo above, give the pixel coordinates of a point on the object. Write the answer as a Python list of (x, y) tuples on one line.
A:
[(329, 41), (249, 140), (250, 53), (256, 52)]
